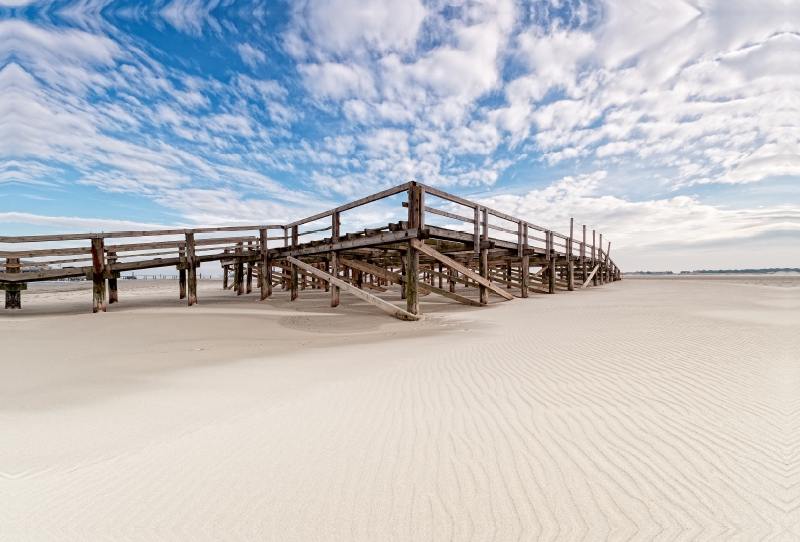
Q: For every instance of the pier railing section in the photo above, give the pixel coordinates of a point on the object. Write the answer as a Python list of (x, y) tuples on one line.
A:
[(447, 246)]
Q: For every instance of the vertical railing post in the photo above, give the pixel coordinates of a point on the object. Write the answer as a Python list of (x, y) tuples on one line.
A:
[(191, 268), (98, 282), (583, 256), (293, 268), (526, 264), (249, 289), (265, 275), (594, 258), (13, 289), (415, 218), (113, 297), (239, 277), (551, 271), (483, 266), (182, 272), (335, 224), (570, 261), (476, 236), (600, 260)]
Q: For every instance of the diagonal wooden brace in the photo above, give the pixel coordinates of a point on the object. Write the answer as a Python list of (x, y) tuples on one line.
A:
[(452, 264), (369, 298)]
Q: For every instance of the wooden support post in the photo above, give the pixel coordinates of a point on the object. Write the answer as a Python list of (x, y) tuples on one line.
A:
[(240, 277), (334, 258), (13, 291), (570, 263), (113, 297), (182, 273), (191, 269), (600, 260), (594, 259), (265, 276), (452, 274), (525, 272), (508, 275), (249, 289), (551, 269), (483, 265), (441, 272), (412, 279), (608, 253), (98, 282), (476, 237), (293, 271), (583, 255)]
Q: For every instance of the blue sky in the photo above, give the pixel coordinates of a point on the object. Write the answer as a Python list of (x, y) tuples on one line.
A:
[(671, 126)]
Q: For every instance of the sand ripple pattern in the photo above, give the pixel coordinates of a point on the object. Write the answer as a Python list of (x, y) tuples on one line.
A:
[(621, 413)]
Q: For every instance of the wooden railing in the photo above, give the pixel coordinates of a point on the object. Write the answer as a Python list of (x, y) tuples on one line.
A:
[(102, 257)]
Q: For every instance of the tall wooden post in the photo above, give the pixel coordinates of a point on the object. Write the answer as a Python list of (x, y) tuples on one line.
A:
[(293, 272), (594, 259), (583, 256), (404, 272), (265, 275), (607, 271), (525, 268), (415, 218), (525, 275), (452, 274), (249, 286), (182, 273), (191, 269), (551, 271), (483, 265), (334, 258), (98, 282), (600, 260), (13, 290), (112, 279), (570, 261)]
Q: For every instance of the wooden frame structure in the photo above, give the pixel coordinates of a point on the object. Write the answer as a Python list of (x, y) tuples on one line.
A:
[(477, 248)]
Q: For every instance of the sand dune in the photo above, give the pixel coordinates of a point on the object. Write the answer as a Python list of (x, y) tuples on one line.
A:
[(650, 409)]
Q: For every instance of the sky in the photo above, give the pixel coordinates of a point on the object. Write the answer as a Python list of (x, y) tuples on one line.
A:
[(670, 126)]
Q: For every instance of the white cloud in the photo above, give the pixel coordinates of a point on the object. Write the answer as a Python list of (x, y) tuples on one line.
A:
[(339, 27), (250, 55)]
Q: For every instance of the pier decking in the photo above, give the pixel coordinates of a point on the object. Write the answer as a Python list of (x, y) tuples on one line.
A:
[(446, 241)]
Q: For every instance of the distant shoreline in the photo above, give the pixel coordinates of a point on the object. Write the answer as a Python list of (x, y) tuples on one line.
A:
[(770, 271)]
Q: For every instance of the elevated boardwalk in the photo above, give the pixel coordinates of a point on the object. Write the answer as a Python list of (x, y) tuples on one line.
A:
[(447, 240)]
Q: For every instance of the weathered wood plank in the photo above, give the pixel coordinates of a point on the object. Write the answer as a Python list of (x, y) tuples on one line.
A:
[(361, 294), (400, 279), (451, 263), (591, 275)]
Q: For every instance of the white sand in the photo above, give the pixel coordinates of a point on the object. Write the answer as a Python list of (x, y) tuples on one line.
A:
[(651, 409)]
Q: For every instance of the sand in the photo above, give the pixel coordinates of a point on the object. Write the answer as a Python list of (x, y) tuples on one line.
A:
[(650, 409)]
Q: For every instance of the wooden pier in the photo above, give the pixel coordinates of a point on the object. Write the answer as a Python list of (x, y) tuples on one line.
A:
[(449, 246)]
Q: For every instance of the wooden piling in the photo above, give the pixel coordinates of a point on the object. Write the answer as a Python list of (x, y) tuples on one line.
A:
[(525, 272), (594, 259), (13, 291), (113, 297), (98, 282), (265, 272), (334, 258), (191, 270), (293, 267), (412, 279)]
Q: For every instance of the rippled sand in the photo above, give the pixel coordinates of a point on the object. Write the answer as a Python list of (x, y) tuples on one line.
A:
[(649, 409)]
